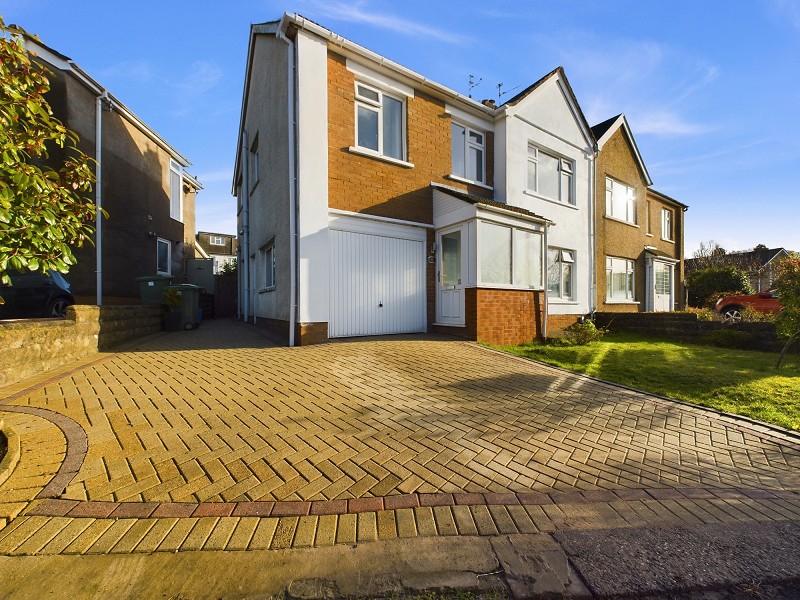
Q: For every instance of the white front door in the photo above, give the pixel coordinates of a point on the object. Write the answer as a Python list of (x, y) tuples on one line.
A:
[(450, 300), (662, 284)]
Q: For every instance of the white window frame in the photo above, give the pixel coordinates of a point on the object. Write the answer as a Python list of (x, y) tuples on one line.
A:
[(514, 262), (216, 240), (377, 106), (566, 168), (667, 225), (562, 256), (175, 191), (630, 201), (268, 267), (629, 267), (254, 166), (466, 174), (162, 242)]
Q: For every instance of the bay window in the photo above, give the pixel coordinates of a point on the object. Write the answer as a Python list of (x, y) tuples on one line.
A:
[(509, 256)]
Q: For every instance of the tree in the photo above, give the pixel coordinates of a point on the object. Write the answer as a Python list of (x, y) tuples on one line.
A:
[(704, 283), (788, 286), (44, 204)]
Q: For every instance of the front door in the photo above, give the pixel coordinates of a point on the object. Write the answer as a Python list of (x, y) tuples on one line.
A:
[(450, 305), (662, 280)]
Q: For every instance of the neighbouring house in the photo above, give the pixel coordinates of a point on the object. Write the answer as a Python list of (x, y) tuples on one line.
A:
[(639, 231), (759, 264), (372, 200), (221, 247), (142, 185)]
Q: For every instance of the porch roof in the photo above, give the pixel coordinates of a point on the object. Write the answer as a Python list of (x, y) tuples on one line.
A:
[(476, 200)]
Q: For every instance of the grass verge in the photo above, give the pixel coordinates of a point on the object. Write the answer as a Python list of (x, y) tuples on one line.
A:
[(742, 382)]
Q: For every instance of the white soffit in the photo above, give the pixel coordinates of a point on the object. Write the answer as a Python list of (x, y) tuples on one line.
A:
[(467, 118), (369, 76)]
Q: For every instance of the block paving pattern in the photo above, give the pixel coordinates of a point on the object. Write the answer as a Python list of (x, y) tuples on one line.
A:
[(217, 439)]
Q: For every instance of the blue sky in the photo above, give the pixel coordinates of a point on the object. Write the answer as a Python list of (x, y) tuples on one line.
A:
[(711, 89)]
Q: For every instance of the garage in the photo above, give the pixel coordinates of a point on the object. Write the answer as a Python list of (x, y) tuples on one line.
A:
[(377, 275)]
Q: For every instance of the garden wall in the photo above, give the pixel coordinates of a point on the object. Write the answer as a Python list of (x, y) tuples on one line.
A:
[(34, 346), (686, 326)]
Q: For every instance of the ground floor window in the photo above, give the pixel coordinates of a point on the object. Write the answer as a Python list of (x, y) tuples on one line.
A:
[(509, 255), (163, 257), (560, 273), (620, 279)]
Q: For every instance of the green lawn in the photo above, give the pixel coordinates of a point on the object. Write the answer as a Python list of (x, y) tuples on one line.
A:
[(735, 381)]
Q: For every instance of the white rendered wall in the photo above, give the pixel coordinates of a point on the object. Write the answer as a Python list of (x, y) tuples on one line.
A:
[(547, 119), (313, 248)]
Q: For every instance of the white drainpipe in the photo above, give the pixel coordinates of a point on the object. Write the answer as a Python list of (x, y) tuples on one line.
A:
[(544, 276)]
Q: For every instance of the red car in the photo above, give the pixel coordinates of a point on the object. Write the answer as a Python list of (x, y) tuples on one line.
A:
[(730, 307)]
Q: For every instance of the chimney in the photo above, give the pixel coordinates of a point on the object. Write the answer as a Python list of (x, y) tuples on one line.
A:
[(489, 102)]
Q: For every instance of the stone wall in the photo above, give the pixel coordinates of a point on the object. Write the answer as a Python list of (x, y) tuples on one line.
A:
[(685, 326), (34, 346)]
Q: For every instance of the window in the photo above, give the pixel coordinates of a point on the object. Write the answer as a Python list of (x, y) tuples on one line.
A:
[(620, 201), (268, 263), (163, 257), (619, 279), (550, 176), (254, 171), (216, 240), (663, 282), (560, 273), (175, 191), (379, 122), (510, 256), (468, 152), (666, 224), (647, 218)]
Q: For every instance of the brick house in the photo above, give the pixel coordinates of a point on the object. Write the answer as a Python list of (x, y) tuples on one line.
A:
[(143, 186), (372, 200), (639, 231)]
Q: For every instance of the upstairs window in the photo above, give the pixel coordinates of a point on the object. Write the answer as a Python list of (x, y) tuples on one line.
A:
[(379, 122), (216, 240), (254, 167), (175, 191), (468, 152), (620, 201), (550, 176), (666, 225)]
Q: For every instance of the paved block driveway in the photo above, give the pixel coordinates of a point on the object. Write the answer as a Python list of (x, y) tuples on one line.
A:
[(216, 439), (218, 414)]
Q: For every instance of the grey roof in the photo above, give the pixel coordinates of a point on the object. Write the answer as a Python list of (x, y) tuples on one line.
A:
[(480, 200), (600, 129)]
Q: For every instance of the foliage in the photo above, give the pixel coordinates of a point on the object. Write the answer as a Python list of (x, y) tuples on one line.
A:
[(714, 255), (230, 268), (43, 211), (703, 283), (788, 286), (753, 315), (743, 382), (580, 334), (171, 298), (703, 314)]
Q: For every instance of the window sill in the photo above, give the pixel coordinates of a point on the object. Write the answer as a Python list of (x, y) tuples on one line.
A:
[(668, 241), (373, 154), (267, 289), (506, 286), (556, 202), (623, 221), (649, 234), (468, 181), (561, 302), (633, 302)]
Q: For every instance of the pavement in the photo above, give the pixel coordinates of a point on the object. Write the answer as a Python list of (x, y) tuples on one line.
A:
[(213, 463)]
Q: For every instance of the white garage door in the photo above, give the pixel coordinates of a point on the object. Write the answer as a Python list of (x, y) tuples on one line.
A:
[(377, 283)]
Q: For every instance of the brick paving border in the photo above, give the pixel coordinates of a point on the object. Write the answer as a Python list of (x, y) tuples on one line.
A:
[(57, 507)]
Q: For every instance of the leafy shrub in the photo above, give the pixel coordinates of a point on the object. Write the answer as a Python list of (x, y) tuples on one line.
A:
[(753, 315), (731, 338), (580, 334), (704, 283), (171, 298), (703, 314)]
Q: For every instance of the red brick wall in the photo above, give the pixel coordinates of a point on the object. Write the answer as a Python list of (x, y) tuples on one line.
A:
[(556, 323)]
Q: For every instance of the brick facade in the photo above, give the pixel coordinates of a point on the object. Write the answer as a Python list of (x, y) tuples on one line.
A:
[(557, 323), (500, 317), (619, 239)]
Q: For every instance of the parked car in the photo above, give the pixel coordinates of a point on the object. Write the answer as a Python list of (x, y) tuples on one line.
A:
[(32, 295), (730, 307)]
